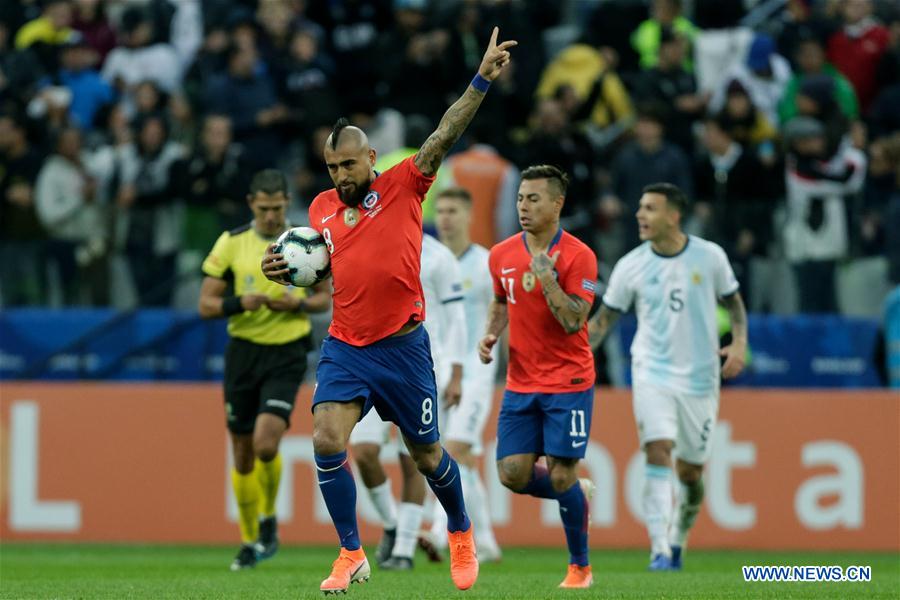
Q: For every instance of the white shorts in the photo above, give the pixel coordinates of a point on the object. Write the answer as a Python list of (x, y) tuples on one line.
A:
[(465, 422), (687, 419)]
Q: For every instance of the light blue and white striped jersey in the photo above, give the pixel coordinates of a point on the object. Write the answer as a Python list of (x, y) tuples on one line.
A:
[(677, 343), (479, 291), (443, 290)]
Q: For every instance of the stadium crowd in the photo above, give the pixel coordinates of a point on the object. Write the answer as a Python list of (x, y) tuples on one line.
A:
[(129, 130)]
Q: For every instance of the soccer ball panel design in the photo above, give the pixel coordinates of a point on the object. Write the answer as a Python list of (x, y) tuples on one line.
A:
[(307, 256)]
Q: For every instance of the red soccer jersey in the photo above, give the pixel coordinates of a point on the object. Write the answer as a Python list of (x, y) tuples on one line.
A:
[(376, 251), (542, 356)]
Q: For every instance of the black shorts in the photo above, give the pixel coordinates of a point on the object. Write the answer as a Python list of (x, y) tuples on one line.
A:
[(262, 379)]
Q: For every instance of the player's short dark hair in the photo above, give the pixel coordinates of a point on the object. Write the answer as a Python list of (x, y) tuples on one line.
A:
[(339, 126), (674, 196), (459, 193), (269, 181), (554, 174)]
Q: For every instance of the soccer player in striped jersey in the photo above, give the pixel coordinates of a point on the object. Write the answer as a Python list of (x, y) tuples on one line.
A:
[(674, 281)]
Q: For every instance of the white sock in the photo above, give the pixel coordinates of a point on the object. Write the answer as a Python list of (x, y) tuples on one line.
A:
[(686, 511), (439, 522), (477, 508), (657, 505), (409, 520), (383, 499)]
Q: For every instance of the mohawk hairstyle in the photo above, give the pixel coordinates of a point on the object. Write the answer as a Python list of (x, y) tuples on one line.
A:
[(337, 129)]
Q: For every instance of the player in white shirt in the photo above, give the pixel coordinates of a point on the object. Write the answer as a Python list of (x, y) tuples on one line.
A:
[(675, 282), (445, 324), (462, 424)]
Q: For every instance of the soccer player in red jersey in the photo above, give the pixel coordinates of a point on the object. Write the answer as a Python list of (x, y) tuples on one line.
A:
[(377, 354), (544, 280)]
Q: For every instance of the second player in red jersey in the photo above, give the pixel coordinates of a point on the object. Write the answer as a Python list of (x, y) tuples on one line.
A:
[(543, 357), (543, 289)]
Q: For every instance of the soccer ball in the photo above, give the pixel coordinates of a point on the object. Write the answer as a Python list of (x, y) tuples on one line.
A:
[(306, 254)]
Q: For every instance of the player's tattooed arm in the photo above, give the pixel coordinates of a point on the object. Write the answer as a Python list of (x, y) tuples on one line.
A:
[(599, 326), (498, 318), (570, 310), (736, 352), (460, 114)]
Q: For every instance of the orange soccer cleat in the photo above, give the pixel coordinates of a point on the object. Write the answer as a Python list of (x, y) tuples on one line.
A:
[(463, 558), (578, 577), (350, 567)]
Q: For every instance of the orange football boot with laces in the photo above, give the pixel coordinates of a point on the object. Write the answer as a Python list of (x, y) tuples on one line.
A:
[(578, 577), (463, 558), (351, 566)]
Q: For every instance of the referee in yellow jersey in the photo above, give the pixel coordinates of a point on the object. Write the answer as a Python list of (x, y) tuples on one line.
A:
[(265, 361)]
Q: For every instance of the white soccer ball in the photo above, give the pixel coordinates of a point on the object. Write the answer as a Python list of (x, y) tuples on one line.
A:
[(306, 254)]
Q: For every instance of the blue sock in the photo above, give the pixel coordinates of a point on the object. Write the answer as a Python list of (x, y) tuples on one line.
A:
[(540, 485), (447, 486), (339, 490), (573, 510)]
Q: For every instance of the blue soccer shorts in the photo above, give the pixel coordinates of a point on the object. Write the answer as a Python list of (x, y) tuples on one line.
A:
[(545, 424), (395, 376)]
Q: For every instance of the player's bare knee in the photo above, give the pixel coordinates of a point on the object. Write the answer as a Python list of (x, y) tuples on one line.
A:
[(512, 476), (659, 452), (365, 455), (427, 458), (562, 478), (327, 441), (688, 473), (265, 449)]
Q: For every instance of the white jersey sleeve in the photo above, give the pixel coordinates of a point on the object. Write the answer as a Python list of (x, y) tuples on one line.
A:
[(724, 281), (620, 293), (445, 319)]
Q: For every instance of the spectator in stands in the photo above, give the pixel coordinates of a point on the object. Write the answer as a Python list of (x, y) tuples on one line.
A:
[(22, 236), (413, 65), (802, 22), (748, 125), (52, 28), (306, 82), (816, 234), (148, 100), (152, 225), (555, 141), (75, 224), (90, 21), (816, 98), (647, 38), (883, 116), (89, 91), (857, 47), (210, 182), (139, 59), (670, 84), (597, 89), (764, 75), (810, 61), (249, 98), (733, 200), (210, 61), (882, 183), (645, 160)]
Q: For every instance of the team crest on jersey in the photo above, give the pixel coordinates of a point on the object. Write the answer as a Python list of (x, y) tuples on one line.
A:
[(371, 199), (351, 217), (528, 281), (696, 278)]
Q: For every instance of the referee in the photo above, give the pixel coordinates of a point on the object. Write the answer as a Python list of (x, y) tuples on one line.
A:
[(265, 360)]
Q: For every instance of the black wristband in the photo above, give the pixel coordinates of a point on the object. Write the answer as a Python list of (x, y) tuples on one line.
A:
[(301, 307), (232, 306)]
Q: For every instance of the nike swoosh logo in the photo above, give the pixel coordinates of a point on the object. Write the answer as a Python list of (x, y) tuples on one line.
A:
[(328, 217), (505, 271), (426, 431), (578, 444), (326, 481)]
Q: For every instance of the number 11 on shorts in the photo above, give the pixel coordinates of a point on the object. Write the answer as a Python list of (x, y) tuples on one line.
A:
[(578, 424)]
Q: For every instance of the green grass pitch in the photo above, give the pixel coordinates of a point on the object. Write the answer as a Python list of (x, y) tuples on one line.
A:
[(113, 571)]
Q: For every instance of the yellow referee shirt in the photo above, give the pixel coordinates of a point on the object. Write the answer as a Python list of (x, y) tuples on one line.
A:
[(236, 257)]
